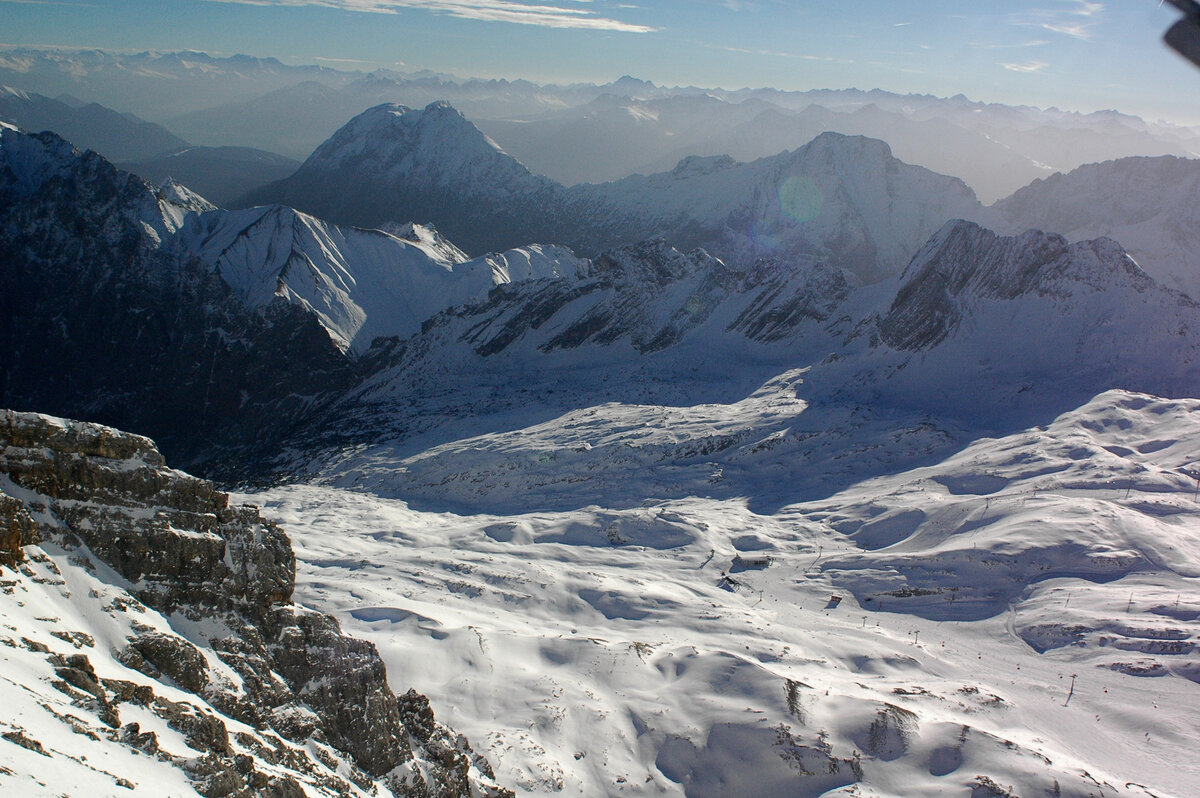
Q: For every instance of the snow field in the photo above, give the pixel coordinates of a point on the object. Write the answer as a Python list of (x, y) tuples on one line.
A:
[(692, 646)]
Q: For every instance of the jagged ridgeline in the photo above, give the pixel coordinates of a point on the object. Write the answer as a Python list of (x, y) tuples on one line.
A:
[(214, 332), (151, 636), (102, 316)]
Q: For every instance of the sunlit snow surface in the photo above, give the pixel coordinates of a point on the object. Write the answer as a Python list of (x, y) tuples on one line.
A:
[(921, 627)]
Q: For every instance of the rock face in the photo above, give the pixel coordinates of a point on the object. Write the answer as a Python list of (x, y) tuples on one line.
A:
[(1023, 325), (1148, 204), (649, 296), (224, 577), (97, 316)]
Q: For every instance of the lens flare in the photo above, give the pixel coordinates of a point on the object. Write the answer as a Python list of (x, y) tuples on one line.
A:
[(800, 198)]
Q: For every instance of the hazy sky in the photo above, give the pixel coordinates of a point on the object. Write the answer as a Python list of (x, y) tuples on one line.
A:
[(1070, 53)]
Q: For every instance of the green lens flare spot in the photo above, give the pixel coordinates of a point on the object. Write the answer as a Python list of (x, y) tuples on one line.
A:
[(800, 198)]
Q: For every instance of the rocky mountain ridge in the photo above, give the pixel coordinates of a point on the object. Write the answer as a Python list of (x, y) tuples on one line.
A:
[(115, 292), (1148, 204), (360, 284), (252, 694), (99, 318)]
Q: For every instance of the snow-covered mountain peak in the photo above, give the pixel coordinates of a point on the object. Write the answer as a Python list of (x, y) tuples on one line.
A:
[(390, 134), (395, 164), (377, 121), (964, 264), (830, 144), (183, 197), (429, 237), (32, 159)]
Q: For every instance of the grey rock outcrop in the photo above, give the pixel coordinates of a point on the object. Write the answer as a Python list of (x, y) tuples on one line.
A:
[(223, 575)]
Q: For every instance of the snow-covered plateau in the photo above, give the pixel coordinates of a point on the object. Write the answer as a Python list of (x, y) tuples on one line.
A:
[(1018, 616)]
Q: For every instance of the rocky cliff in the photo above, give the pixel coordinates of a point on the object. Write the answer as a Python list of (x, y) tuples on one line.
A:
[(99, 320), (243, 691)]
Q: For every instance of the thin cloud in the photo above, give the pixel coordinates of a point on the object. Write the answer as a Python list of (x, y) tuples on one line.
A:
[(773, 53), (1010, 45), (1029, 68), (485, 10), (1077, 30), (1077, 21), (1086, 9), (330, 60)]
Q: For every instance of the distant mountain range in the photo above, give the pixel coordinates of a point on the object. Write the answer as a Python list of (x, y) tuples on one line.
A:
[(114, 135), (838, 198), (592, 133), (192, 304)]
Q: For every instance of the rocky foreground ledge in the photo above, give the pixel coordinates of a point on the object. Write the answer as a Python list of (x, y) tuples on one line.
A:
[(133, 591)]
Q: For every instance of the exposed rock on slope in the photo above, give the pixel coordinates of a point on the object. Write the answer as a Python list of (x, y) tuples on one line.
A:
[(266, 695), (985, 325), (645, 298), (1148, 204), (98, 318)]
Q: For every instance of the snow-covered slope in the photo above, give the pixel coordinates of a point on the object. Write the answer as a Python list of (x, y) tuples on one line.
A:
[(1015, 617), (901, 548), (840, 199), (1148, 204), (360, 283)]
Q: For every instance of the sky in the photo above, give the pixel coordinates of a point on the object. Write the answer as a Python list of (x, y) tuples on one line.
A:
[(1073, 54)]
